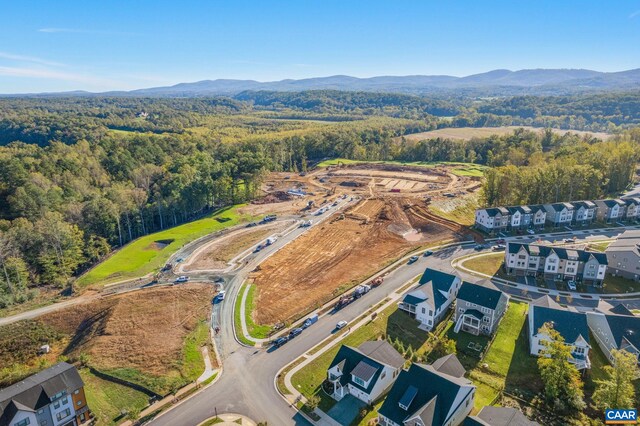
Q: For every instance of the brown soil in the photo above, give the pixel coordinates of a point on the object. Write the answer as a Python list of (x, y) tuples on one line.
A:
[(142, 330), (337, 255)]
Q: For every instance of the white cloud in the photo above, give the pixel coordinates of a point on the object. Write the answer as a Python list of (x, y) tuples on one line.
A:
[(31, 59)]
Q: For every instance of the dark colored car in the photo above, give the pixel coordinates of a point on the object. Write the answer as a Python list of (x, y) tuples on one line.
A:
[(293, 333), (280, 341), (427, 253)]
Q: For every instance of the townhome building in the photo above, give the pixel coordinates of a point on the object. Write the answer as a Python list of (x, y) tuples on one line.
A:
[(430, 301), (519, 217), (538, 216), (429, 395), (610, 210), (623, 255), (571, 325), (492, 220), (632, 209), (621, 332), (585, 212), (52, 397), (556, 263), (559, 214), (479, 308), (365, 372)]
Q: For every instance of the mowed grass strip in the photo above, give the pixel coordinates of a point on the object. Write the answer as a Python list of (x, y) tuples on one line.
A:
[(149, 253), (489, 264), (108, 400), (237, 312), (192, 359), (255, 330)]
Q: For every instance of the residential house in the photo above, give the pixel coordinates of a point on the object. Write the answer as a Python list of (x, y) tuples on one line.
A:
[(425, 395), (585, 212), (623, 255), (430, 301), (491, 220), (615, 308), (479, 308), (538, 216), (499, 416), (559, 214), (632, 209), (54, 396), (366, 372), (557, 263), (571, 325), (519, 217), (610, 210), (612, 331)]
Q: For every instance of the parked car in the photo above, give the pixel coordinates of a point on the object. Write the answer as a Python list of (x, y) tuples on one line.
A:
[(478, 247), (572, 285), (341, 324), (498, 247), (427, 253), (280, 341), (570, 240), (530, 231), (221, 294), (258, 248), (293, 333), (309, 321), (412, 259), (251, 225), (182, 279)]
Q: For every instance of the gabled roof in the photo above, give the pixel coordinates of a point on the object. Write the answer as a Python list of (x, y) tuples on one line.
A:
[(631, 201), (519, 209), (612, 202), (493, 211), (570, 325), (607, 307), (535, 208), (585, 204), (480, 295), (383, 352), (625, 327), (561, 206), (433, 286), (415, 297), (434, 400), (450, 365), (503, 416), (547, 302), (36, 391), (562, 253), (365, 369)]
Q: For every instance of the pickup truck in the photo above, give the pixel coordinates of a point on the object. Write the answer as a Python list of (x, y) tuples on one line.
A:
[(182, 279)]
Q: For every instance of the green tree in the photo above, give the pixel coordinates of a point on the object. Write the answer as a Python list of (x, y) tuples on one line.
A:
[(562, 383), (616, 390)]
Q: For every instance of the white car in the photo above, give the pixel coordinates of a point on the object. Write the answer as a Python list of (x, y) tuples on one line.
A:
[(182, 279), (571, 285), (221, 294), (531, 232), (341, 324)]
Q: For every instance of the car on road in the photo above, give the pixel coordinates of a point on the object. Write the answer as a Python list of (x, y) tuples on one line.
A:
[(570, 240), (413, 259), (478, 247), (280, 341), (251, 225), (427, 253), (498, 247), (531, 231), (341, 324), (501, 241), (182, 279), (221, 295), (258, 248), (293, 333), (178, 260), (572, 285)]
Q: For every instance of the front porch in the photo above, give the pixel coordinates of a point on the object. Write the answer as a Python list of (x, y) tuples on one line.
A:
[(470, 321)]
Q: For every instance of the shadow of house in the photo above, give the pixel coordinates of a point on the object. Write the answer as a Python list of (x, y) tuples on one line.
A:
[(523, 377)]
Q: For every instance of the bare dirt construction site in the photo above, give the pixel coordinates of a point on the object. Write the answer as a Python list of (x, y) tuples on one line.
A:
[(217, 254), (142, 334)]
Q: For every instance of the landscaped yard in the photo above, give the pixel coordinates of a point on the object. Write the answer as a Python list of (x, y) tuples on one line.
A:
[(108, 401), (149, 253), (616, 285), (490, 264), (599, 245)]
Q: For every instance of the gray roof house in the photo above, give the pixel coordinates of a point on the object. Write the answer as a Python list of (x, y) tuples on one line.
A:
[(571, 325), (615, 332), (53, 396), (430, 301), (365, 372), (479, 308), (426, 395), (499, 416), (623, 255), (610, 210), (492, 219), (585, 212), (559, 214)]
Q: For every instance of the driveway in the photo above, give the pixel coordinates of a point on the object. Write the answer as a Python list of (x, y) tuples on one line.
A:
[(346, 410)]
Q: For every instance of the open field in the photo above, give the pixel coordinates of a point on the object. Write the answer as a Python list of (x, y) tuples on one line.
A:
[(336, 255), (460, 209), (149, 253), (467, 133), (150, 337), (460, 169), (218, 253), (490, 264)]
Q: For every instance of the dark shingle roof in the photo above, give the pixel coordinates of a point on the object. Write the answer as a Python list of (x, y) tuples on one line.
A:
[(611, 203), (492, 211), (585, 204), (36, 391), (433, 283), (433, 401), (480, 295), (562, 253), (535, 208), (350, 358), (561, 206), (569, 324), (383, 352), (625, 327), (474, 313), (414, 298)]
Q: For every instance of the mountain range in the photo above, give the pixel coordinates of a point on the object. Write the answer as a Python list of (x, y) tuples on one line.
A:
[(499, 82)]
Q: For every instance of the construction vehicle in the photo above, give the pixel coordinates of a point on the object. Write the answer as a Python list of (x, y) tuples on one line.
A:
[(376, 282)]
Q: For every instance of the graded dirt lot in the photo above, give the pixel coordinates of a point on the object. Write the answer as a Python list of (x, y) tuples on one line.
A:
[(217, 254), (467, 133), (338, 254), (142, 334)]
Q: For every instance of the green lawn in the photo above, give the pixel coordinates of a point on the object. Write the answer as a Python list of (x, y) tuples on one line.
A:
[(255, 330), (107, 400), (490, 264), (616, 285), (144, 255), (600, 245), (463, 213), (236, 318), (465, 169), (192, 359)]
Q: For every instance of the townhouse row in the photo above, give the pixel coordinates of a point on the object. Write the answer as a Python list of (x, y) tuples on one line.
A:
[(555, 263), (578, 213)]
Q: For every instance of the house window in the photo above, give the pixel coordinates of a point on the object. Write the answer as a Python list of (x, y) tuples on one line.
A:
[(65, 401), (77, 391), (381, 377), (423, 310), (79, 403), (23, 422), (63, 414), (358, 381), (56, 405)]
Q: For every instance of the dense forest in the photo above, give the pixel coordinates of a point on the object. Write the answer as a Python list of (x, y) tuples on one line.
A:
[(81, 176)]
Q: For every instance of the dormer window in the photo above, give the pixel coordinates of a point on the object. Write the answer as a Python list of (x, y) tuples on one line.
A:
[(408, 397)]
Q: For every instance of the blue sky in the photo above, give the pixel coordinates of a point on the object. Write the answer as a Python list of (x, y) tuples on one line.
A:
[(106, 45)]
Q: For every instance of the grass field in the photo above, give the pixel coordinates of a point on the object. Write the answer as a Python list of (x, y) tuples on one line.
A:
[(108, 400), (464, 169), (237, 312), (144, 255), (462, 212), (599, 245), (488, 264), (467, 133), (255, 330), (192, 359)]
